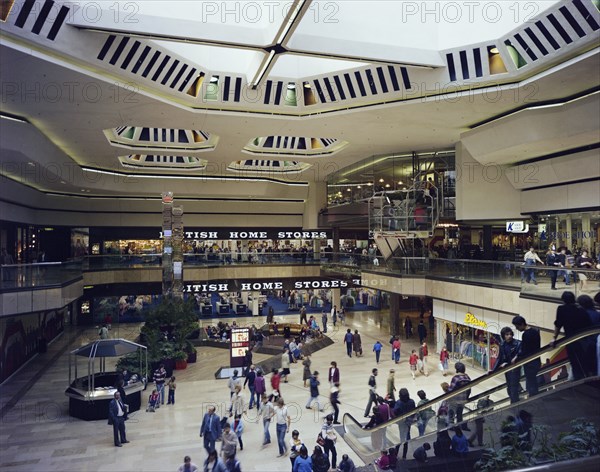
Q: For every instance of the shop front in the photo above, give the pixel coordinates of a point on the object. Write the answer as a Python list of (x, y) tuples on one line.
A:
[(470, 334)]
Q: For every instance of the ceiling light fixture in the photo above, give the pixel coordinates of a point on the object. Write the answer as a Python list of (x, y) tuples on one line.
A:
[(494, 50), (289, 22), (191, 177), (381, 180), (262, 70), (8, 116)]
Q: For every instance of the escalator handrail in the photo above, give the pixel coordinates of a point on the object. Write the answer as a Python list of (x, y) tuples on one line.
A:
[(543, 370), (563, 342)]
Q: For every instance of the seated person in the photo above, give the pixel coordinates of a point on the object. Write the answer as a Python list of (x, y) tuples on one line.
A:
[(383, 463), (374, 420), (460, 445), (152, 401), (442, 446), (420, 453), (346, 465), (393, 456)]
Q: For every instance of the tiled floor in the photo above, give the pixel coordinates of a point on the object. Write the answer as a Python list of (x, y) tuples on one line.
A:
[(37, 434)]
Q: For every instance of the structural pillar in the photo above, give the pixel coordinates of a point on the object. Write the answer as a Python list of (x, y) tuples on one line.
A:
[(487, 242), (314, 203), (335, 234), (395, 324), (569, 231), (244, 250), (335, 298), (316, 250), (586, 234)]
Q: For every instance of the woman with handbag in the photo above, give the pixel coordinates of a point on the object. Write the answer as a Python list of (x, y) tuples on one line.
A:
[(328, 433)]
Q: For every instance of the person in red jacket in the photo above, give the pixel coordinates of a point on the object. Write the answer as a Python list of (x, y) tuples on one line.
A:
[(412, 362), (444, 356), (275, 381)]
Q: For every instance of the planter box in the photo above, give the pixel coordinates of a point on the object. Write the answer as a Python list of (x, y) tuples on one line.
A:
[(192, 357), (180, 365)]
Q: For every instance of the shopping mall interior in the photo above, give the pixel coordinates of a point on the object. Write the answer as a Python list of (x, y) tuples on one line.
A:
[(415, 161)]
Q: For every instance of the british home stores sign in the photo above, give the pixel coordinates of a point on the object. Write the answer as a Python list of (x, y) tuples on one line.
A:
[(227, 234), (258, 285)]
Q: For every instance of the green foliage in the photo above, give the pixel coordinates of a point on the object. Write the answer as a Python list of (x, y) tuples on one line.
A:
[(176, 317), (180, 356), (131, 362), (505, 458), (583, 440)]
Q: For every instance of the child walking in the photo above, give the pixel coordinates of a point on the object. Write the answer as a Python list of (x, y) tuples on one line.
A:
[(412, 362), (377, 350), (238, 429), (172, 386)]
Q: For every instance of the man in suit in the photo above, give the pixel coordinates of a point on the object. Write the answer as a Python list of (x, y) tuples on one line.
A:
[(116, 417), (210, 429)]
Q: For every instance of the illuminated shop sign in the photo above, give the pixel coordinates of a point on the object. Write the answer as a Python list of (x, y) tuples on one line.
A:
[(240, 343), (472, 320), (517, 227), (240, 340), (253, 234), (257, 285)]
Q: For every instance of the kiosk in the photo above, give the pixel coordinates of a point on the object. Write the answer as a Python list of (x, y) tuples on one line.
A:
[(90, 395)]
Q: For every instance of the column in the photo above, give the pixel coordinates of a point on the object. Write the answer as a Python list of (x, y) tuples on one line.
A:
[(316, 250), (167, 257), (244, 250), (586, 233), (395, 325), (316, 201), (569, 231), (487, 242), (255, 303), (335, 297), (335, 235)]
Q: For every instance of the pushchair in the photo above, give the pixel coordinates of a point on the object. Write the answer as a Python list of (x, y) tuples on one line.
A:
[(153, 400)]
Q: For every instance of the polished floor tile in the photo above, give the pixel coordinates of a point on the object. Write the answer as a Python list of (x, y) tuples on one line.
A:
[(37, 433)]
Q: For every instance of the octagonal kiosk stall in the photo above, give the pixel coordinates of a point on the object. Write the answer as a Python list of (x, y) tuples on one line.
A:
[(90, 395)]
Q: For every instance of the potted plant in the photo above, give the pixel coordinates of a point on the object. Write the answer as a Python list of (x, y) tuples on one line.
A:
[(192, 356), (180, 358), (190, 350)]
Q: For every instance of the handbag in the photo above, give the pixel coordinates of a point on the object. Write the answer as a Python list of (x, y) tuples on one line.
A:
[(441, 366), (320, 440)]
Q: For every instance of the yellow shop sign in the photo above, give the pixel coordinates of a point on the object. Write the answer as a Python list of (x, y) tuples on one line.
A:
[(471, 320)]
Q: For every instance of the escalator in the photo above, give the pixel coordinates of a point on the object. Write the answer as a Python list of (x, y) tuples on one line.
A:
[(558, 402)]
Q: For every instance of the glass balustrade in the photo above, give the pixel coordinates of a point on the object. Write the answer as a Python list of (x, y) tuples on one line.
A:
[(44, 274), (534, 281)]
